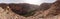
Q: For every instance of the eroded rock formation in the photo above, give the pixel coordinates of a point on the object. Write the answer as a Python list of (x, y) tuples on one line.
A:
[(49, 12)]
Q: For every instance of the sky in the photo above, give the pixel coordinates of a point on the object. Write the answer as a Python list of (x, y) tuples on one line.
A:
[(37, 2)]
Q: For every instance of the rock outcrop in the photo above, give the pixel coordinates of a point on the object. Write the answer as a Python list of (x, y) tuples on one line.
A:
[(44, 11)]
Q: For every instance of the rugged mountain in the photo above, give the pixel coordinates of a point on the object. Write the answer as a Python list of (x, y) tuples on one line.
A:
[(54, 9), (45, 6), (23, 8), (48, 10)]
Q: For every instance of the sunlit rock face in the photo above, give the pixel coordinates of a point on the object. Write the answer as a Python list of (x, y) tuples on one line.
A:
[(54, 9), (57, 4)]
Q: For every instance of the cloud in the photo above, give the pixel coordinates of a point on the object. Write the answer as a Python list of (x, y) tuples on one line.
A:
[(27, 1)]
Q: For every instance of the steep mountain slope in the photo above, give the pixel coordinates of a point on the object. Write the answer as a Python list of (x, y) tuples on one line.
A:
[(45, 6), (23, 8), (44, 11)]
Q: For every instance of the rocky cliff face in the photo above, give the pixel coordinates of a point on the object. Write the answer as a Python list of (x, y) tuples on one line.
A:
[(54, 9), (23, 8), (44, 11), (57, 4), (45, 6)]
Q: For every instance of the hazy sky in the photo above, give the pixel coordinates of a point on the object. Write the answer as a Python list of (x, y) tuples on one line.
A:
[(27, 1)]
